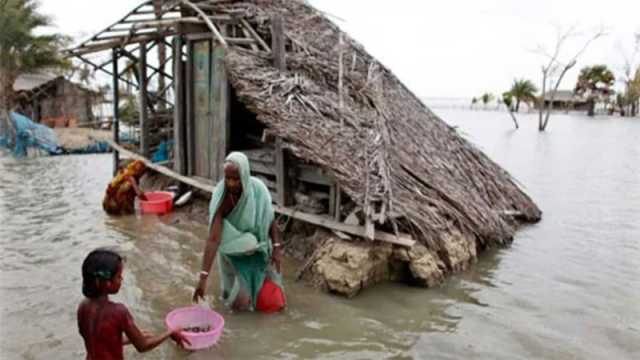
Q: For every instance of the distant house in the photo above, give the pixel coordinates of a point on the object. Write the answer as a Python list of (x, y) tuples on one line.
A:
[(566, 100), (54, 100)]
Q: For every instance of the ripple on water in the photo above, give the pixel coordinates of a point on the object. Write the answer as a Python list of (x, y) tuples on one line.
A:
[(567, 288)]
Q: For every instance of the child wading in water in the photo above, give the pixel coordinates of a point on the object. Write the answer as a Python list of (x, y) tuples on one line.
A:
[(103, 323)]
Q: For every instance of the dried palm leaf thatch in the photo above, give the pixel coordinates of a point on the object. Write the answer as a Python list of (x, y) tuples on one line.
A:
[(388, 151)]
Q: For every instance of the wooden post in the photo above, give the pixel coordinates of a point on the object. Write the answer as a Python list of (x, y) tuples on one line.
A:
[(116, 99), (36, 110), (338, 209), (189, 122), (179, 158), (332, 200), (280, 62), (277, 43), (282, 190), (144, 112), (340, 81), (221, 107)]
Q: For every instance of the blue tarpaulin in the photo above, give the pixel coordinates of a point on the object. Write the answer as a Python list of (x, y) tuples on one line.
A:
[(22, 133)]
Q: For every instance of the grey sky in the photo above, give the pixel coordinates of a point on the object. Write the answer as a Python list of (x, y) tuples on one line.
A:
[(454, 48)]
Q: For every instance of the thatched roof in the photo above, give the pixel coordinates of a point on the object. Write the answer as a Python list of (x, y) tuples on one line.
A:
[(564, 96), (389, 153), (28, 82)]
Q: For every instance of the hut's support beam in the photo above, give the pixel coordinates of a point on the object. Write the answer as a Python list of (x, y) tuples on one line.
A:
[(324, 221), (189, 110), (255, 35), (144, 103), (179, 158), (282, 188), (278, 43), (338, 209), (221, 113), (36, 110), (279, 61), (116, 100)]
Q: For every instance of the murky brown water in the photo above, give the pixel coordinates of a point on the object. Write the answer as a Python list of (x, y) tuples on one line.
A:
[(568, 288)]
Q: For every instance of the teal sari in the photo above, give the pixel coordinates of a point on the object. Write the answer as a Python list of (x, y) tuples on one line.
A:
[(244, 254)]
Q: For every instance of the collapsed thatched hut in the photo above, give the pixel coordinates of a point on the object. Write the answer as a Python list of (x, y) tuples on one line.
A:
[(324, 123)]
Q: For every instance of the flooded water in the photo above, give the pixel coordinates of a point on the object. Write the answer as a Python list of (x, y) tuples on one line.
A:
[(568, 288)]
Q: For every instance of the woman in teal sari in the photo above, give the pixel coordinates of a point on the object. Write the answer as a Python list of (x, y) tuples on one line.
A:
[(243, 237)]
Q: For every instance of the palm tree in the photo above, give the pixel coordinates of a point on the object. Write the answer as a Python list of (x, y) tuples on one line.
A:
[(21, 49), (486, 98), (507, 99), (523, 91), (595, 82)]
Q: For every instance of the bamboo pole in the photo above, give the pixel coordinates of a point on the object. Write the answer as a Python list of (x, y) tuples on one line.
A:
[(324, 221), (207, 21)]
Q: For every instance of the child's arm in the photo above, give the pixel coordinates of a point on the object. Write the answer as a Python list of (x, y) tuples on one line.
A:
[(126, 340), (144, 343)]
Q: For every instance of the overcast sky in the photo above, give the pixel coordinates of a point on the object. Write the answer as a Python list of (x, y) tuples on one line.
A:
[(454, 48)]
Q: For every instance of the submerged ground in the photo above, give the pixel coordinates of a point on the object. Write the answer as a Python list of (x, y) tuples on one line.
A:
[(567, 288)]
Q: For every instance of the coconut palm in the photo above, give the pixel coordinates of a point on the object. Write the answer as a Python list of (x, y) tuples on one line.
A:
[(595, 82), (21, 49), (507, 99), (523, 90), (487, 98)]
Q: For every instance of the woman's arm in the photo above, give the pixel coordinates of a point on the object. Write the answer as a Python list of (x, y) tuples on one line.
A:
[(210, 251), (276, 254), (134, 184)]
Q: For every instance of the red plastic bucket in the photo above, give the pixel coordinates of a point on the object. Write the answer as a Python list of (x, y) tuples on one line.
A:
[(158, 202)]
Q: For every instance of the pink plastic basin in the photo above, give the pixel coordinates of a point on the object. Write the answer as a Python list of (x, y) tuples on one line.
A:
[(158, 202), (200, 317)]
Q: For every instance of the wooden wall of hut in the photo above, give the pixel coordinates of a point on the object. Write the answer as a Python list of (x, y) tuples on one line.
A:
[(60, 104), (210, 122)]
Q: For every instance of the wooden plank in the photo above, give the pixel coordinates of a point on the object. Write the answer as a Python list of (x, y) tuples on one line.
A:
[(324, 221), (263, 155), (313, 174), (145, 139), (202, 108), (340, 81), (206, 19), (278, 43), (332, 200), (230, 40), (262, 168), (255, 35), (104, 45), (220, 136), (116, 118), (179, 131), (161, 169), (338, 209)]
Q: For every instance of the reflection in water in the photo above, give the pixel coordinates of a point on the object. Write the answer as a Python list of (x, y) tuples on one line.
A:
[(566, 288)]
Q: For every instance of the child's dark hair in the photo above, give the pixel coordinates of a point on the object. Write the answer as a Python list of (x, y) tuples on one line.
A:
[(101, 264)]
